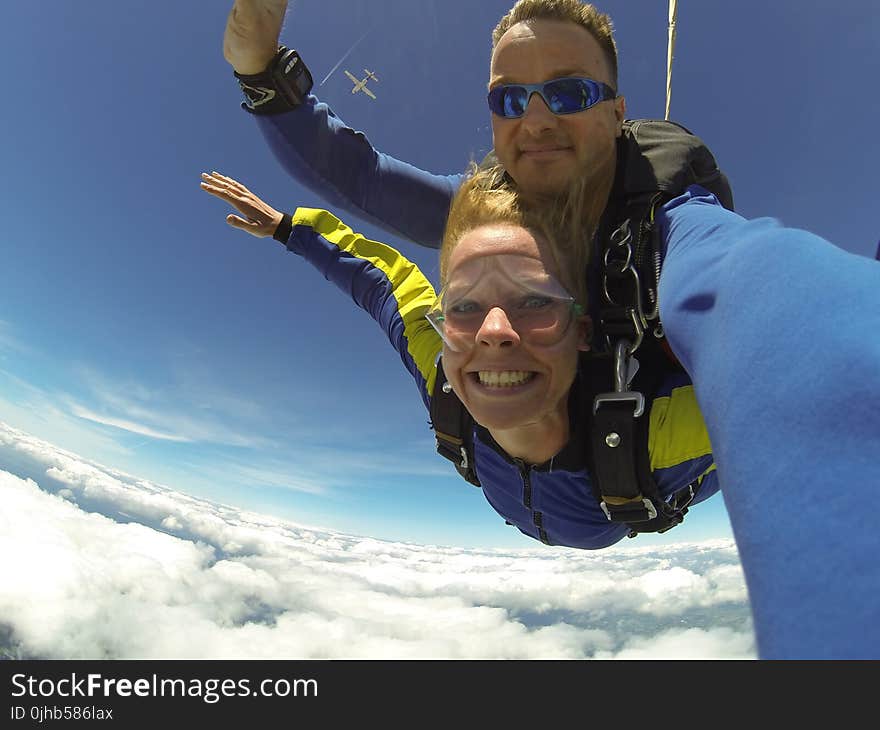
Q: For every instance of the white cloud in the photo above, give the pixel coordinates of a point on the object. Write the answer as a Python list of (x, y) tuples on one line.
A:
[(177, 417), (267, 474), (125, 425), (718, 643), (166, 413), (36, 410), (113, 566)]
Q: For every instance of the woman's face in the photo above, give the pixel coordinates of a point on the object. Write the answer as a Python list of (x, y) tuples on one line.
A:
[(513, 361)]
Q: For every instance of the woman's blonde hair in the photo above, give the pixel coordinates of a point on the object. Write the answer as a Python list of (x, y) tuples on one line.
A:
[(486, 198)]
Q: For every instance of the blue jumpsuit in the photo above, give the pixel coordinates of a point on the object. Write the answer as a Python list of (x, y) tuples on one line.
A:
[(552, 502), (780, 333)]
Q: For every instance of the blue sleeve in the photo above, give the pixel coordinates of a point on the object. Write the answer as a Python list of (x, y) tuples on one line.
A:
[(381, 281), (318, 150), (779, 330)]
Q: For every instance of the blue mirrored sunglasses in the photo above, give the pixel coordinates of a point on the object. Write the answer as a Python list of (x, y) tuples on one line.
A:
[(563, 96)]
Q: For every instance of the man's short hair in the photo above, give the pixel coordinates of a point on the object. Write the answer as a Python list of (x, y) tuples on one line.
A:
[(596, 23)]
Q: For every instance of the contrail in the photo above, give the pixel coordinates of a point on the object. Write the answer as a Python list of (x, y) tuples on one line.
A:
[(347, 53)]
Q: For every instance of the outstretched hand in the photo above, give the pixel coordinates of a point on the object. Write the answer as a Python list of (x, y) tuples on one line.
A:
[(260, 218), (252, 30)]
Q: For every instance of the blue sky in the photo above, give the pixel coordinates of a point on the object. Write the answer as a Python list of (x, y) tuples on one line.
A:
[(138, 330)]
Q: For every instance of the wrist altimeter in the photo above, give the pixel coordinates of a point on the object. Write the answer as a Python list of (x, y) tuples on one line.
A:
[(280, 88)]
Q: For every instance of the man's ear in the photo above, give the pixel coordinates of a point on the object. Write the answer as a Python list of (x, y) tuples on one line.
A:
[(620, 113), (585, 332)]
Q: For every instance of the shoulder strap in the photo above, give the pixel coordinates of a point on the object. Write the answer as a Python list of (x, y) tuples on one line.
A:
[(453, 428), (657, 160)]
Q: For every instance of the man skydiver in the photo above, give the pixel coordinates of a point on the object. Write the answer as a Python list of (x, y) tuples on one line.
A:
[(546, 53), (776, 327), (540, 150)]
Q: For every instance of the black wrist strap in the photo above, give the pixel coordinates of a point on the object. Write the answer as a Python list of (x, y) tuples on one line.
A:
[(282, 233), (280, 88)]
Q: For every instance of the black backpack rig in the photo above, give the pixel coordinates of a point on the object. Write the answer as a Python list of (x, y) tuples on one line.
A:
[(656, 161)]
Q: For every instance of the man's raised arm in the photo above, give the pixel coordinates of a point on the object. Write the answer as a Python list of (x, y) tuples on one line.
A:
[(317, 148)]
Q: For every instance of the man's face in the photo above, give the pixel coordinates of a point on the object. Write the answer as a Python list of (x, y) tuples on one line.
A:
[(541, 151)]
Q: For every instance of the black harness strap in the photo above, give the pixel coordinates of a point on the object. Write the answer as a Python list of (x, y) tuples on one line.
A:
[(656, 161), (628, 493), (623, 481), (453, 427)]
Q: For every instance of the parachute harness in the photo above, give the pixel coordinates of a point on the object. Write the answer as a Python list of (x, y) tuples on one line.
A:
[(624, 482), (657, 160)]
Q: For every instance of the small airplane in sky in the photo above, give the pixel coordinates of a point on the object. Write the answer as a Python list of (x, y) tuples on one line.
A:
[(361, 84)]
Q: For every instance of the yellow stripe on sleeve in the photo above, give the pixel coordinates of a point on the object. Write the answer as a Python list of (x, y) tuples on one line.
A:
[(412, 290)]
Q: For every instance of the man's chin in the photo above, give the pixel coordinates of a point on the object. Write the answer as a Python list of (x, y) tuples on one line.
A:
[(546, 181)]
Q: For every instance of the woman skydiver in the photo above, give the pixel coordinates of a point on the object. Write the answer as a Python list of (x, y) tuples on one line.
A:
[(511, 326), (777, 327)]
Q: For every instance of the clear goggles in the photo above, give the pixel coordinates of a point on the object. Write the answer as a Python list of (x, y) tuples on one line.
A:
[(536, 305), (567, 95)]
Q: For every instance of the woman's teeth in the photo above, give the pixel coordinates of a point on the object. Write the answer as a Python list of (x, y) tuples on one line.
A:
[(505, 379)]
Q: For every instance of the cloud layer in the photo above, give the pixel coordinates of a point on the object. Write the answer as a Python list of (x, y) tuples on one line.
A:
[(100, 564)]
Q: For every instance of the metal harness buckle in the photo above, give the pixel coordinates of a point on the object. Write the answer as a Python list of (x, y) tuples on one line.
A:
[(646, 503), (622, 378)]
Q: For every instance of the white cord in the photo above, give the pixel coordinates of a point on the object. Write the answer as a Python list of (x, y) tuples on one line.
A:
[(670, 51)]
